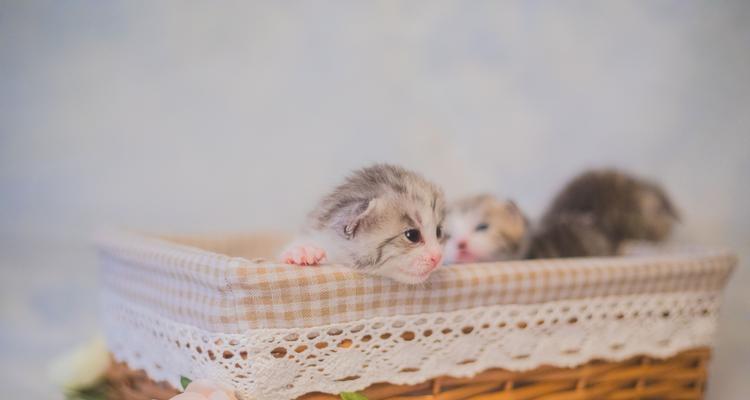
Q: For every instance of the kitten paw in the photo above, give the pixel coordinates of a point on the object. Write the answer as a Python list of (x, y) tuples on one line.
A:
[(303, 255)]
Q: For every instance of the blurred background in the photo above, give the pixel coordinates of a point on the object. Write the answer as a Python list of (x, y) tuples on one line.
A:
[(199, 117)]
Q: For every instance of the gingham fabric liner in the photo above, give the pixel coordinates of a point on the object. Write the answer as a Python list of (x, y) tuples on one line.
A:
[(219, 293)]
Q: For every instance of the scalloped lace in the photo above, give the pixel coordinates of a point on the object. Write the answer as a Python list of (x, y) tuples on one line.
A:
[(286, 363)]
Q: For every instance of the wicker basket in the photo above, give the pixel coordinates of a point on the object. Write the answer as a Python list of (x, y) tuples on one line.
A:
[(633, 327)]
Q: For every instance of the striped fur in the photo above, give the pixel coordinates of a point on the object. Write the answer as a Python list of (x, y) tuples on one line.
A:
[(362, 222)]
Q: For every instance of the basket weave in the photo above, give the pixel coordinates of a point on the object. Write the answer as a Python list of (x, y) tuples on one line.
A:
[(682, 376)]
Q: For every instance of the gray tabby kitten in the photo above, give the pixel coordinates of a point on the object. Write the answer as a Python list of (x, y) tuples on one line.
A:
[(383, 220), (599, 210)]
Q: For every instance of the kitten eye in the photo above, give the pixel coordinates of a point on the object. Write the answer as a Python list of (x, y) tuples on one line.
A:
[(413, 235), (439, 231), (482, 227)]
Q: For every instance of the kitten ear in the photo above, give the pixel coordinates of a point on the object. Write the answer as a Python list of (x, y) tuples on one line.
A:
[(511, 206), (669, 207), (512, 209), (363, 212)]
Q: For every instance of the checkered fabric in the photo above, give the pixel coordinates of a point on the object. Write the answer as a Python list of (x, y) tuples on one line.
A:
[(221, 293)]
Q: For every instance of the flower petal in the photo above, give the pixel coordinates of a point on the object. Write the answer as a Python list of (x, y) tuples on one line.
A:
[(219, 395), (82, 367), (189, 396), (203, 386)]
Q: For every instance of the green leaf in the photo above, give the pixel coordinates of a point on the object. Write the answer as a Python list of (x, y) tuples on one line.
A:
[(352, 396), (184, 381)]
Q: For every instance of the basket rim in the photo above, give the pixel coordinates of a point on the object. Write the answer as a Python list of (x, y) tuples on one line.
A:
[(113, 239), (239, 293)]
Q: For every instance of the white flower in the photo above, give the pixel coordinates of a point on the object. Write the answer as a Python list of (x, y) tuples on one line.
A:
[(81, 367), (204, 389)]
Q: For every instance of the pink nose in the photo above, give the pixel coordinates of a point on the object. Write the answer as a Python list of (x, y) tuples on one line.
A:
[(462, 245), (435, 258)]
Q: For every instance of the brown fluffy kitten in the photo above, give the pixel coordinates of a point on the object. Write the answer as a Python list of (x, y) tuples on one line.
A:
[(569, 236), (484, 228), (603, 204), (382, 220)]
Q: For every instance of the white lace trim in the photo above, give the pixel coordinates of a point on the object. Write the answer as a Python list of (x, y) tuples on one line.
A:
[(283, 364)]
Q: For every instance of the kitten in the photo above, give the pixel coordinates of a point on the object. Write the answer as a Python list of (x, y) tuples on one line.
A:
[(484, 228), (606, 204), (571, 235), (383, 220)]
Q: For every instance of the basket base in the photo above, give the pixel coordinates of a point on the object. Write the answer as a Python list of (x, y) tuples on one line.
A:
[(682, 376)]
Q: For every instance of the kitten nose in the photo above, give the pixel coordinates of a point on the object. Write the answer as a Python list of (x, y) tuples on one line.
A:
[(435, 258), (462, 245)]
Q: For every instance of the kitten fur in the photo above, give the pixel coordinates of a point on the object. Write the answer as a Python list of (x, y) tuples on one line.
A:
[(570, 236), (363, 224), (484, 228), (603, 203)]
